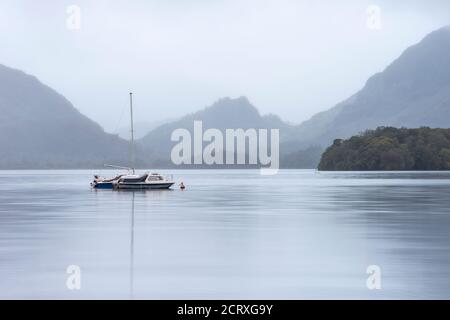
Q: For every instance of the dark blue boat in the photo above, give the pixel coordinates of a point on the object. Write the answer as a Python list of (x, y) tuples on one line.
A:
[(100, 183)]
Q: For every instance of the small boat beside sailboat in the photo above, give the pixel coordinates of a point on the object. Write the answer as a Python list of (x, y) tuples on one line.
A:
[(102, 183), (131, 180)]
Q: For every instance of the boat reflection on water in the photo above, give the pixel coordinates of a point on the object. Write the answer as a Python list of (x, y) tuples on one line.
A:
[(132, 248), (139, 193)]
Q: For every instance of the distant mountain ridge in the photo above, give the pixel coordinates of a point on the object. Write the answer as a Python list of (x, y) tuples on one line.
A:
[(412, 91), (39, 128), (141, 128), (226, 113)]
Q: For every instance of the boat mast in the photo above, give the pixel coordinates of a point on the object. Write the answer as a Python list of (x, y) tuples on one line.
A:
[(132, 132)]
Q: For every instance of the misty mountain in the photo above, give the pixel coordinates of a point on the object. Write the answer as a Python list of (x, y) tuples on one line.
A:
[(141, 128), (39, 128), (226, 113), (411, 92)]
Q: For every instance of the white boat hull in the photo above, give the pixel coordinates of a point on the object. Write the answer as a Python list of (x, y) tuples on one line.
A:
[(144, 185)]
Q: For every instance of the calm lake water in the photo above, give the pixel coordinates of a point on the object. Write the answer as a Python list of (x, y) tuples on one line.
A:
[(231, 234)]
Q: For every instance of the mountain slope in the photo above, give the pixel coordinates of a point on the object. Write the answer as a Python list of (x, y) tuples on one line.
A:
[(226, 113), (39, 128), (413, 91)]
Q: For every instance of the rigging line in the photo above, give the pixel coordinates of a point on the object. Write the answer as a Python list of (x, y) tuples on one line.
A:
[(115, 131), (120, 120)]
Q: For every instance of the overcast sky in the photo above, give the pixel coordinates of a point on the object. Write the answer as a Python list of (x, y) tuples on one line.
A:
[(292, 58)]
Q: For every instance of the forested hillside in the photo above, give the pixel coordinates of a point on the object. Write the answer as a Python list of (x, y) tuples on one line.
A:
[(388, 148)]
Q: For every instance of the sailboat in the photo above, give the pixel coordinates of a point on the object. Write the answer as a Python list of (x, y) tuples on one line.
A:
[(131, 180)]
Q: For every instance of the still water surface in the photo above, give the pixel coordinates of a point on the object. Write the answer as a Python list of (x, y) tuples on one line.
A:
[(231, 234)]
